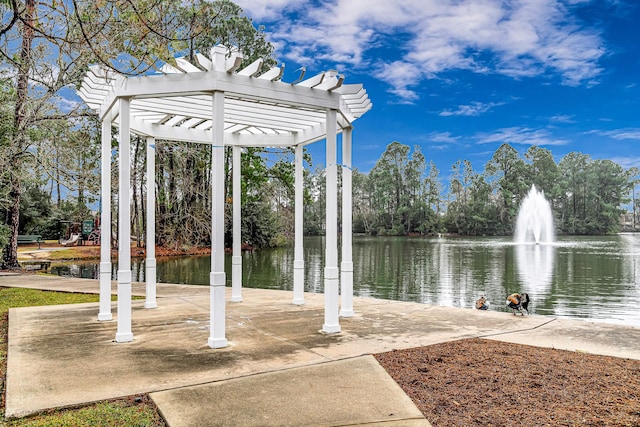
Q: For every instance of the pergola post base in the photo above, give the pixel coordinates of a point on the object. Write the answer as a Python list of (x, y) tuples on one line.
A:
[(346, 281), (105, 317), (105, 292), (218, 343), (331, 319), (150, 274), (331, 329), (217, 323), (123, 333), (298, 282), (236, 278), (124, 337)]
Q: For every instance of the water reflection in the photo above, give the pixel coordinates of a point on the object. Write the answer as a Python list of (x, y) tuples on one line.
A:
[(535, 267), (588, 278)]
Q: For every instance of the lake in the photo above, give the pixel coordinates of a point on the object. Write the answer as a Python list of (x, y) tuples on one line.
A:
[(592, 278)]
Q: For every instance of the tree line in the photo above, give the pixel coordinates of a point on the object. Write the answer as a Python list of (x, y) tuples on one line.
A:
[(403, 194)]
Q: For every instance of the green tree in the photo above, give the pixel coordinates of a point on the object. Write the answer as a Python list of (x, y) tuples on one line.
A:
[(433, 199), (42, 52), (388, 186), (542, 171), (610, 186), (456, 199), (415, 203), (315, 202), (504, 172), (15, 151), (363, 213), (399, 191), (7, 96), (573, 194), (460, 209), (634, 178), (481, 211)]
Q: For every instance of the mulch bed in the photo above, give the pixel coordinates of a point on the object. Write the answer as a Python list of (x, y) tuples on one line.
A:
[(479, 382)]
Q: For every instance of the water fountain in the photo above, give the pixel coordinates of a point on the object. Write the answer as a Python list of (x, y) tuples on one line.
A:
[(534, 234), (535, 220)]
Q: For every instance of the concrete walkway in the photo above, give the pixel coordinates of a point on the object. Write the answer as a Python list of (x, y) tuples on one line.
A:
[(279, 369)]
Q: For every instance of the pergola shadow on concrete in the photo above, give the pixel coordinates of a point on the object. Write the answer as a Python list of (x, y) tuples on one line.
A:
[(211, 101)]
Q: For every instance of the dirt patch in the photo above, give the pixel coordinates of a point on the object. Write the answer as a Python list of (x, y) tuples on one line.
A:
[(478, 382)]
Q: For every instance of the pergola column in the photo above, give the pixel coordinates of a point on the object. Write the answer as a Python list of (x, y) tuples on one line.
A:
[(346, 266), (150, 262), (104, 312), (217, 276), (124, 333), (236, 259), (298, 256), (331, 272)]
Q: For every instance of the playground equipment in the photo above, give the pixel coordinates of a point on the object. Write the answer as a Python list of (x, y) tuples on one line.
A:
[(72, 240), (81, 232)]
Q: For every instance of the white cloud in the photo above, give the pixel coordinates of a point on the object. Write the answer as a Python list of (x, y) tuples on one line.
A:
[(66, 104), (473, 109), (517, 38), (442, 137), (562, 118), (401, 75), (621, 134), (627, 162), (521, 136)]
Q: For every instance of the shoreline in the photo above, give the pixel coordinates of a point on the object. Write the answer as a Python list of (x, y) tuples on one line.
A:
[(56, 252)]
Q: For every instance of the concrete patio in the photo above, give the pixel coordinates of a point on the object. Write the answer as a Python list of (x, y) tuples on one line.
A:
[(279, 368)]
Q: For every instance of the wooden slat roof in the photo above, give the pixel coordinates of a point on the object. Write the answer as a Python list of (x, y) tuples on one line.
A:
[(260, 109)]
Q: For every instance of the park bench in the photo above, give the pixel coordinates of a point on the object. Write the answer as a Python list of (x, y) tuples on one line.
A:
[(30, 238)]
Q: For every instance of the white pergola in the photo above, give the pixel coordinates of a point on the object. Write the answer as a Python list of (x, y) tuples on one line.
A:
[(211, 101)]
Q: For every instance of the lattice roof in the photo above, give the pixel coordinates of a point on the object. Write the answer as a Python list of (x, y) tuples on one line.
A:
[(260, 109)]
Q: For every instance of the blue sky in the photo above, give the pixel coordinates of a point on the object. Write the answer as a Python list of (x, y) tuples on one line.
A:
[(461, 77)]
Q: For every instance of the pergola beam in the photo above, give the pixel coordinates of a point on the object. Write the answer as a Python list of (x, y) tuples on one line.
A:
[(169, 85), (198, 106), (172, 133)]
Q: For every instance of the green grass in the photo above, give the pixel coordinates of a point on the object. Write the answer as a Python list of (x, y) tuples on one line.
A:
[(122, 412), (70, 254), (107, 414), (21, 297)]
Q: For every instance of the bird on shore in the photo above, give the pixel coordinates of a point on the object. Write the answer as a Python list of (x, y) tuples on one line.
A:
[(519, 302), (482, 303)]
